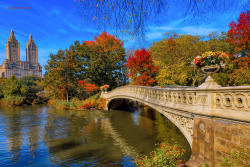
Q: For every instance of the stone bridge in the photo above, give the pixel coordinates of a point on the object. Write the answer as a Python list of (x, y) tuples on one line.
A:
[(214, 119)]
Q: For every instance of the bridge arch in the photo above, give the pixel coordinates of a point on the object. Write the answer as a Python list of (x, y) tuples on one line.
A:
[(206, 115), (178, 120)]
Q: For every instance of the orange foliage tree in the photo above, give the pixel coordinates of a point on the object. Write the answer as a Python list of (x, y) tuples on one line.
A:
[(88, 87), (141, 70), (241, 71)]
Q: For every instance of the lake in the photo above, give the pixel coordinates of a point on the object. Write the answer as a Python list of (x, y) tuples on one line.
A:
[(44, 136)]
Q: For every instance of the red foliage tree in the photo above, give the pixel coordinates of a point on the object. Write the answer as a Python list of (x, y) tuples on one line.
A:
[(239, 34), (141, 70), (88, 87)]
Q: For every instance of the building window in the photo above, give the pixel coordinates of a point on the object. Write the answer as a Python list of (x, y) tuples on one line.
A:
[(2, 74)]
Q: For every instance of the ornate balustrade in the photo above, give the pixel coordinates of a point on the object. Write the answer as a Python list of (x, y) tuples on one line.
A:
[(224, 102)]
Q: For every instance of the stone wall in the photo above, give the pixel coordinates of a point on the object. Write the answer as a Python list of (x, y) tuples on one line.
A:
[(215, 139), (229, 136)]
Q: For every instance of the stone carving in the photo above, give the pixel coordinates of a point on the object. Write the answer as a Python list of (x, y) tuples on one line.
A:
[(237, 101), (202, 99), (185, 122)]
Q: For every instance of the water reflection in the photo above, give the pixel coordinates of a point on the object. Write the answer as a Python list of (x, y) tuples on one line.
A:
[(43, 136)]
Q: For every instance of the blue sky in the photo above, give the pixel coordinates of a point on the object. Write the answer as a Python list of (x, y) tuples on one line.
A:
[(55, 25)]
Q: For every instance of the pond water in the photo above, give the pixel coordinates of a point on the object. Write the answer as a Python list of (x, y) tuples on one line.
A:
[(45, 136)]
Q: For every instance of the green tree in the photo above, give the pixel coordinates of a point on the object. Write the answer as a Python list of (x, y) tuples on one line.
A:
[(2, 80), (11, 87), (63, 71), (103, 60), (30, 87)]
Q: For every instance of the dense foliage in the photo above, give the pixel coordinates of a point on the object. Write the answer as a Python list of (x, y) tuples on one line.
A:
[(63, 71), (141, 70), (104, 60), (81, 69), (175, 53), (167, 154), (239, 34), (23, 91)]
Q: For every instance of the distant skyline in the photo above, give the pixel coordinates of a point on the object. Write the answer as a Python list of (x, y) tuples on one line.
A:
[(55, 25)]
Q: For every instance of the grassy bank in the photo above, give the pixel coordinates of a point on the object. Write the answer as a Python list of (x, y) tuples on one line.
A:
[(93, 102), (17, 100)]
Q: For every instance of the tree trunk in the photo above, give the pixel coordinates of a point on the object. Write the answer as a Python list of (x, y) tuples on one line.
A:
[(67, 95)]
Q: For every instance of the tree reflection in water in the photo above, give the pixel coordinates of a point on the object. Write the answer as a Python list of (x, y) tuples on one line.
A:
[(43, 136)]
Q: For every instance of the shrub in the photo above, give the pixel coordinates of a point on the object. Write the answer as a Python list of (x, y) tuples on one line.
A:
[(12, 101), (167, 154), (87, 105)]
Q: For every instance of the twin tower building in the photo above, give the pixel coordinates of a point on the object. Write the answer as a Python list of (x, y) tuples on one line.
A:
[(12, 64)]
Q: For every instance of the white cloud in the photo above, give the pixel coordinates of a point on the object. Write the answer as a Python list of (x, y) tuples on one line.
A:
[(193, 30), (155, 35)]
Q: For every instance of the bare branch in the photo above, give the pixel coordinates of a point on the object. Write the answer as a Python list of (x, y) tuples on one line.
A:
[(132, 17)]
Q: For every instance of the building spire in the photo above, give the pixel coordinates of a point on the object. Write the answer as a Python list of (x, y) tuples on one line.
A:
[(12, 34), (30, 38)]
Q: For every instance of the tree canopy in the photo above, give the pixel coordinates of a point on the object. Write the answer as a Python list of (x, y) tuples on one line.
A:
[(81, 69), (141, 70), (63, 71), (104, 60), (175, 53), (239, 34)]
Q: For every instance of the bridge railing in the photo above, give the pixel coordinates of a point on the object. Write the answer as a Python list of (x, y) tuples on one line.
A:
[(225, 102)]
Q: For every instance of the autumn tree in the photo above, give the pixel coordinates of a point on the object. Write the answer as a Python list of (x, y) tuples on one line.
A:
[(133, 17), (103, 60), (175, 53), (141, 70), (63, 71), (239, 34)]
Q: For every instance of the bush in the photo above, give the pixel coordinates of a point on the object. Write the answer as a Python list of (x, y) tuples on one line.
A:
[(167, 154), (12, 101), (41, 98)]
